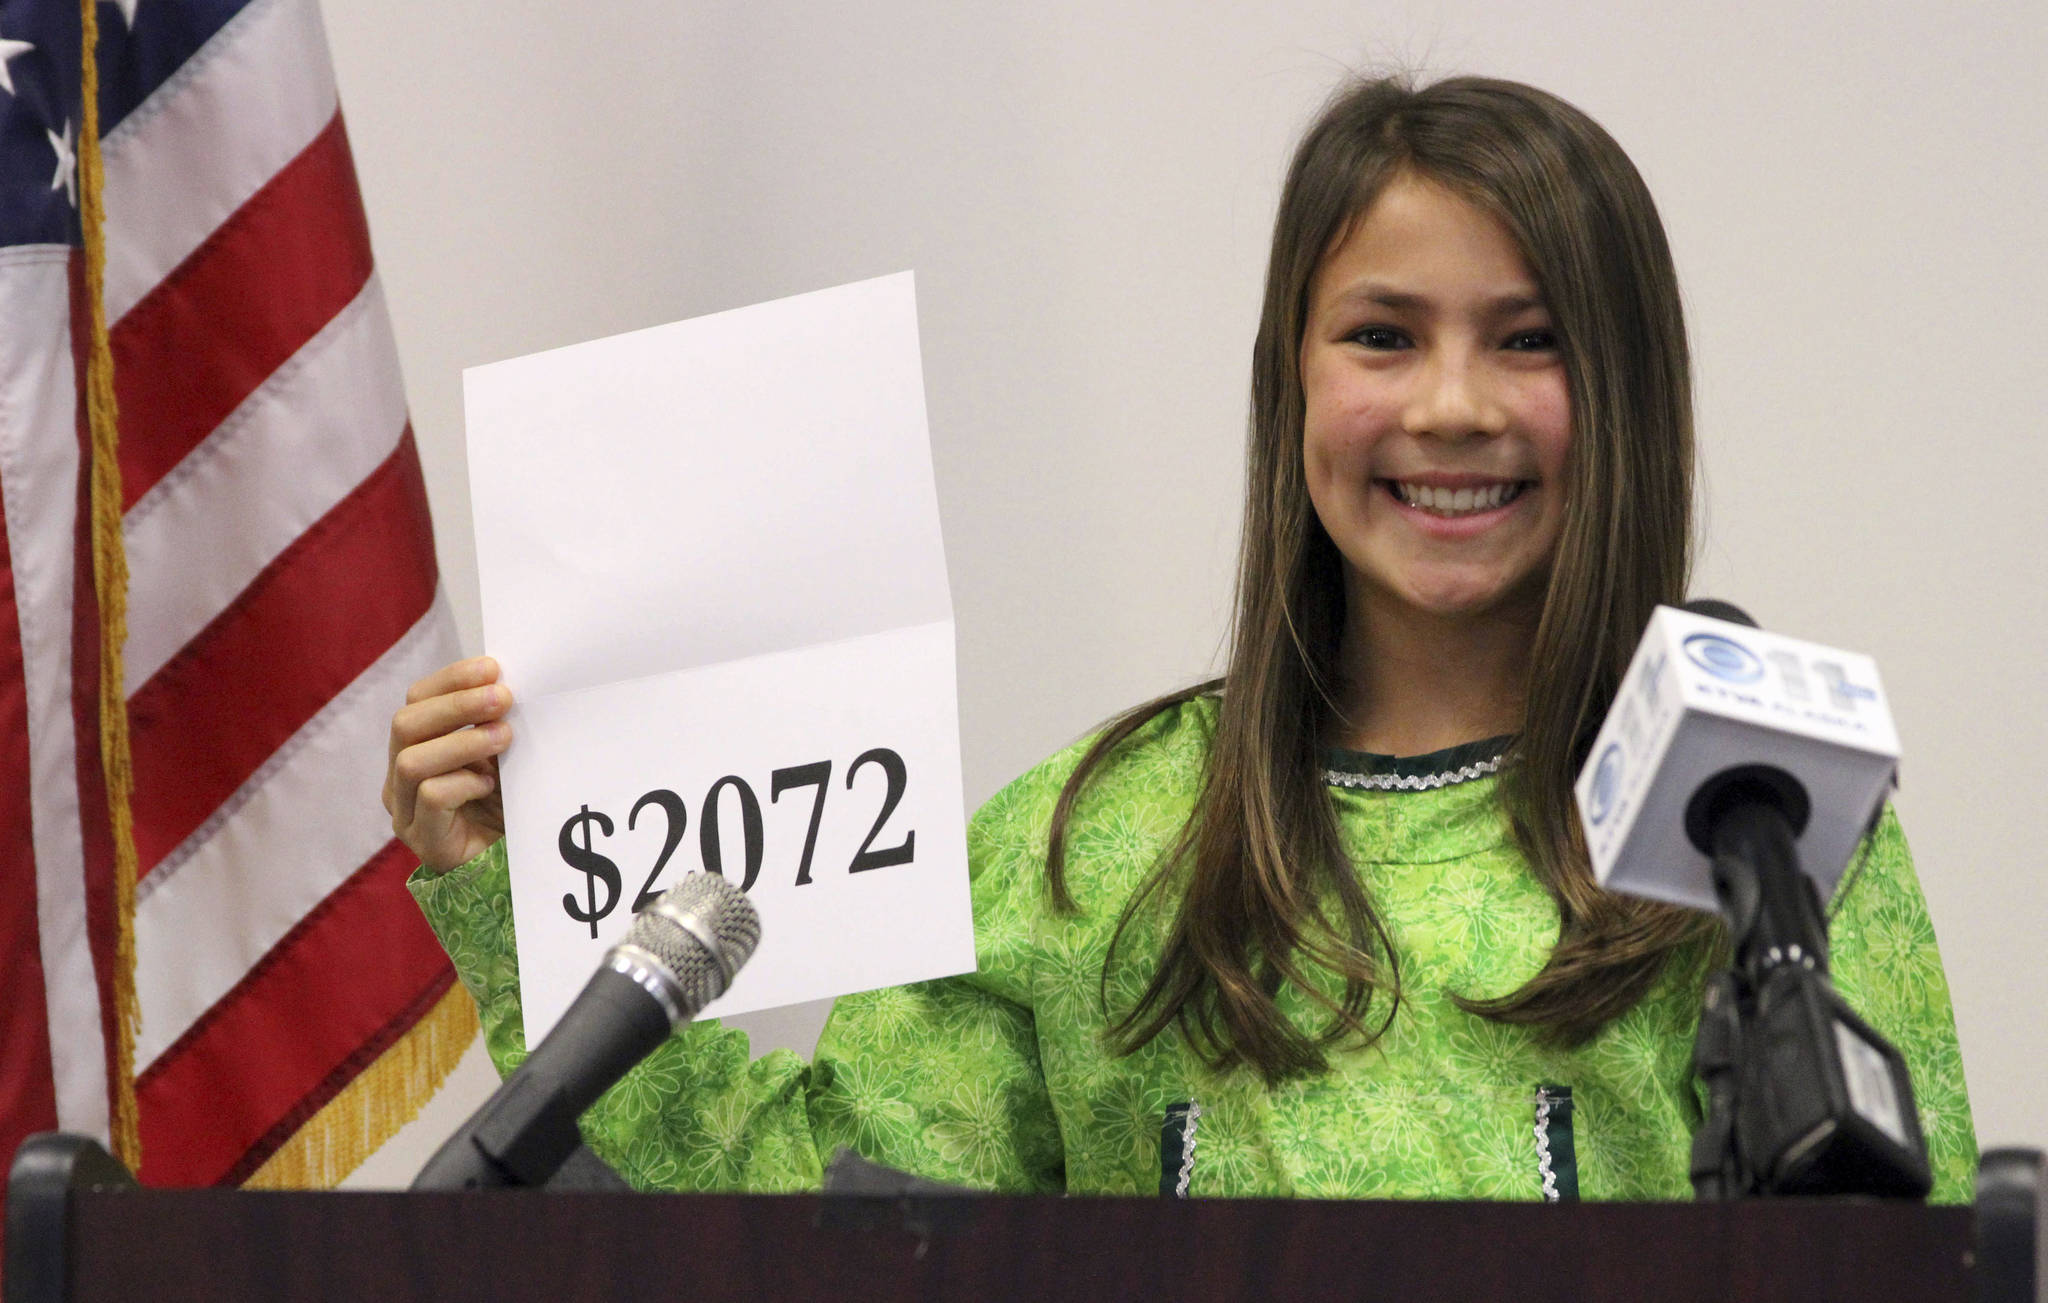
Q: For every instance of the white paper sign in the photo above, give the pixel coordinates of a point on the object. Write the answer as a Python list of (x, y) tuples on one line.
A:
[(711, 568)]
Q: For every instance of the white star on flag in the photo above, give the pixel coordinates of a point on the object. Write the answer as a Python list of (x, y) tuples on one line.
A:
[(8, 49), (66, 178)]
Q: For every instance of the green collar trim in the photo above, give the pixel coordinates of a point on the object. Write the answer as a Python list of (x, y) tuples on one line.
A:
[(1459, 764)]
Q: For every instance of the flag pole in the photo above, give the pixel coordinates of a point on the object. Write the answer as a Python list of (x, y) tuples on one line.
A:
[(110, 585)]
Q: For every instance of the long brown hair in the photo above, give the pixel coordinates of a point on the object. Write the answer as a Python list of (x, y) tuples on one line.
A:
[(1265, 889)]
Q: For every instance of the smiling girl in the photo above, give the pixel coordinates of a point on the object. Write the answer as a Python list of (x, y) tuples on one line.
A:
[(1323, 926)]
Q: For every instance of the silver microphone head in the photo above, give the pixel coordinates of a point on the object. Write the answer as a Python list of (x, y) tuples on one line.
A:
[(695, 937)]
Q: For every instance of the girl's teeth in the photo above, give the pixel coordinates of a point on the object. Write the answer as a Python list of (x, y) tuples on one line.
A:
[(1457, 502)]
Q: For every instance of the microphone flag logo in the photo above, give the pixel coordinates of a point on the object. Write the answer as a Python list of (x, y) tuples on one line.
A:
[(1724, 658), (1606, 782)]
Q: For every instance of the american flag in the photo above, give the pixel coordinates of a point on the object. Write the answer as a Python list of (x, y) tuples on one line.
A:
[(283, 592)]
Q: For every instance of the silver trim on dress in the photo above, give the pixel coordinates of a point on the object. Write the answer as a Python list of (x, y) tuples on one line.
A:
[(1417, 783), (1187, 1150), (1543, 1101)]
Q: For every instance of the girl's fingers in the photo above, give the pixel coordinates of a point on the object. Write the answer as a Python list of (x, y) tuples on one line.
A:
[(450, 753), (472, 673), (445, 742), (437, 716), (447, 830), (446, 793)]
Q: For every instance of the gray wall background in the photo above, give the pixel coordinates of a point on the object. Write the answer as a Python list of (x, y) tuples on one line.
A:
[(1854, 192)]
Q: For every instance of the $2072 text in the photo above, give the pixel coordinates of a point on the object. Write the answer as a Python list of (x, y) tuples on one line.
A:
[(578, 844)]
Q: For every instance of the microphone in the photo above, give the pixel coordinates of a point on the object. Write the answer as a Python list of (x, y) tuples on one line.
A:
[(680, 954), (1711, 701), (1720, 773)]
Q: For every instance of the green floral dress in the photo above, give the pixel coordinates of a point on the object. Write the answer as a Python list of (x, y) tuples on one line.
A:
[(1000, 1078)]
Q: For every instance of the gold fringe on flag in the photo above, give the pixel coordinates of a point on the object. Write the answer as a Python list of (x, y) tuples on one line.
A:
[(110, 585), (370, 1110)]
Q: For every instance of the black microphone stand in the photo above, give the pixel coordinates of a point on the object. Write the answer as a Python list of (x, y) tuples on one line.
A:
[(1804, 1096)]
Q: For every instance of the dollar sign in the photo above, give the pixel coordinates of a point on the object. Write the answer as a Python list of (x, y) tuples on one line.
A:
[(594, 867)]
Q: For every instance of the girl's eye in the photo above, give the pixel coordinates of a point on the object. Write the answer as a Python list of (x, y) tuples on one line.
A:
[(1384, 338), (1378, 337)]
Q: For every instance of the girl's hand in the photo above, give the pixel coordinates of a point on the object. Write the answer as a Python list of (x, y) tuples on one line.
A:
[(442, 785)]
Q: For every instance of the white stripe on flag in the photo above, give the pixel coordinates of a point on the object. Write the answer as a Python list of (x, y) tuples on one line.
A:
[(183, 161), (299, 827), (297, 446), (39, 468)]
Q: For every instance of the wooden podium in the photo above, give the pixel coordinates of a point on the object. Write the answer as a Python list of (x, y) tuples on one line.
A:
[(92, 1240)]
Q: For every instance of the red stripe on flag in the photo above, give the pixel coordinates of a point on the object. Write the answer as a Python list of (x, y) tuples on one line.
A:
[(344, 983), (263, 284), (28, 1097), (316, 617), (323, 1094)]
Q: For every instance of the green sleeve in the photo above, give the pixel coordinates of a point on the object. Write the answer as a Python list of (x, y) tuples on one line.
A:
[(943, 1078), (1885, 963), (939, 1078), (470, 910)]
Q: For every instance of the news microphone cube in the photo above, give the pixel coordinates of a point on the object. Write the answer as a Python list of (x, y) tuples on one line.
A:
[(1703, 696)]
